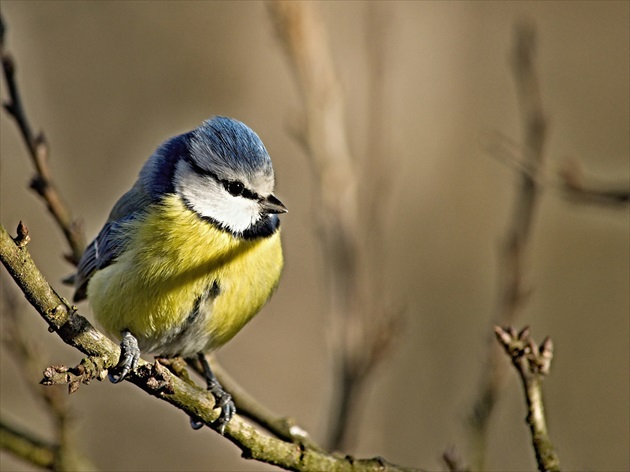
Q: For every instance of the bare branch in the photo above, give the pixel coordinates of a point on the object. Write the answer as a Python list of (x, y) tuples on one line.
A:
[(572, 183), (513, 290), (66, 454), (42, 183), (532, 362), (577, 190), (158, 381), (361, 330), (25, 446)]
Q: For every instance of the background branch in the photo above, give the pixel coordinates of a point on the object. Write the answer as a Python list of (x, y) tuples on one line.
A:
[(513, 290), (64, 452), (578, 188), (361, 330), (38, 150), (571, 182), (27, 447)]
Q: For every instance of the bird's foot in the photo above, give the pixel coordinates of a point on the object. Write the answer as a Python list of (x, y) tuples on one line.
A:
[(223, 400), (129, 356)]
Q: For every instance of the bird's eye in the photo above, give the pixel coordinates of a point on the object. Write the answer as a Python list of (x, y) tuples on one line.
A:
[(234, 187)]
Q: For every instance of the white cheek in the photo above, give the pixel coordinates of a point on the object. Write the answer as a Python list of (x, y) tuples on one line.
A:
[(209, 198), (236, 213)]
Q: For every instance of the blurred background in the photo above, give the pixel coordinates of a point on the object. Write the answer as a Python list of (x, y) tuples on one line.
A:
[(109, 81)]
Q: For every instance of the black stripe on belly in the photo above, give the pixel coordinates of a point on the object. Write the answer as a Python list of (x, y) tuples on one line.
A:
[(210, 293)]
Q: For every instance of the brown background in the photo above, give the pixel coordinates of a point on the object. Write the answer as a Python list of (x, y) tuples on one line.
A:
[(109, 81)]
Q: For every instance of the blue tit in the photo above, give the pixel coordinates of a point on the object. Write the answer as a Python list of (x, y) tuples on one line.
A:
[(191, 253)]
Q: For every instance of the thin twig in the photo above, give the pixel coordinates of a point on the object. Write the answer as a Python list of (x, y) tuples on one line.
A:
[(577, 190), (42, 183), (532, 362), (513, 290), (570, 182)]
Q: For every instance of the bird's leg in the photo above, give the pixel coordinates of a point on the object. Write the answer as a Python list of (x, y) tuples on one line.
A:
[(129, 355), (223, 400)]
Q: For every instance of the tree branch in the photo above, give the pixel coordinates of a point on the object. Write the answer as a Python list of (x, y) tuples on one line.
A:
[(39, 152), (24, 445), (361, 330), (155, 379), (577, 190), (532, 363), (513, 291), (66, 454)]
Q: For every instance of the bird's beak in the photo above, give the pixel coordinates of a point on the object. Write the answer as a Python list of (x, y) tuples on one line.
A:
[(271, 205)]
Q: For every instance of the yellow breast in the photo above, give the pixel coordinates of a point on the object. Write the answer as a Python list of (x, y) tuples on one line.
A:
[(182, 285)]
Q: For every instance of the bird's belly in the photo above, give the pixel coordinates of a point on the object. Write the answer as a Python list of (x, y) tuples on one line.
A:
[(178, 308)]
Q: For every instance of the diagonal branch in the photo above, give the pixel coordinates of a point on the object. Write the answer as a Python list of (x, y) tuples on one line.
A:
[(24, 445), (155, 379), (37, 145)]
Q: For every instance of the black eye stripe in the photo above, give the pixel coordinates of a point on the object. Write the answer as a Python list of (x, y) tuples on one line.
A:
[(233, 187), (236, 188)]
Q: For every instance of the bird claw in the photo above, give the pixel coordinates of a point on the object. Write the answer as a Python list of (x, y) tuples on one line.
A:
[(129, 356), (223, 400)]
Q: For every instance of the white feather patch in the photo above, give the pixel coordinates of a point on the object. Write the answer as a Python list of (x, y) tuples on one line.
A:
[(209, 198)]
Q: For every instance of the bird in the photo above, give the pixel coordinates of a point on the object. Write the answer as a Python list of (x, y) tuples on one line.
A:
[(190, 254)]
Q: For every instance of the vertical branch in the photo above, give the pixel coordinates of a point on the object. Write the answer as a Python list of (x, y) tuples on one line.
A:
[(533, 363), (360, 334), (325, 140), (513, 290), (376, 170)]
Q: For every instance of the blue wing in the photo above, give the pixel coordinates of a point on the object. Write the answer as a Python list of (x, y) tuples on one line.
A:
[(111, 241), (155, 180)]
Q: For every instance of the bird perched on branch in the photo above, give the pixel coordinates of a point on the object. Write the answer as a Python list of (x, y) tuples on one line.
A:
[(191, 253)]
